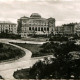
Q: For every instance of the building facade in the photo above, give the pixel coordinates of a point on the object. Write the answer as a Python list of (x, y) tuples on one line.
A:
[(68, 29), (59, 30), (77, 29), (8, 27), (35, 24)]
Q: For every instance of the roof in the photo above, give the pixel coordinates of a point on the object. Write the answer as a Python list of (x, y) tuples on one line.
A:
[(51, 18), (6, 22), (24, 17), (35, 15)]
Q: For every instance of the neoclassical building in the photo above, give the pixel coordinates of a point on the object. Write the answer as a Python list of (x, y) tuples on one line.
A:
[(8, 27), (35, 24)]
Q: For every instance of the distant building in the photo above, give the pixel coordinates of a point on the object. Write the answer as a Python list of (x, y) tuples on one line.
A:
[(35, 24), (77, 29), (69, 29), (59, 30), (8, 27)]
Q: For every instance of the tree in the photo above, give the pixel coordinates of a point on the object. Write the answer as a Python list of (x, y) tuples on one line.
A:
[(61, 67), (1, 45)]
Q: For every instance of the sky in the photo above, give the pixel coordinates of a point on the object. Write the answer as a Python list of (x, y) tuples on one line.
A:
[(64, 11)]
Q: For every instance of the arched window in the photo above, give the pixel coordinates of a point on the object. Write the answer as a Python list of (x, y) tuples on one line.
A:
[(41, 28), (35, 28), (44, 28), (47, 29), (29, 28)]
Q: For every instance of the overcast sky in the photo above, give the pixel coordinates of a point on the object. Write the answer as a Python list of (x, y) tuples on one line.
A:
[(64, 11)]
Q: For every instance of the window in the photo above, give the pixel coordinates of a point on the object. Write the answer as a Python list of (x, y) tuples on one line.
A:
[(35, 28), (29, 28), (44, 28), (45, 24), (47, 29), (41, 28)]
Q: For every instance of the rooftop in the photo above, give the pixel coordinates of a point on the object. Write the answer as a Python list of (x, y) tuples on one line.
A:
[(24, 17), (35, 15), (6, 22)]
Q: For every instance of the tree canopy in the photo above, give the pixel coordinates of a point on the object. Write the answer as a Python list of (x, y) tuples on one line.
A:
[(61, 67)]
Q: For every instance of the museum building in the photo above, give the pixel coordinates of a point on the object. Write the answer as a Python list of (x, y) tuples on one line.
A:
[(35, 24)]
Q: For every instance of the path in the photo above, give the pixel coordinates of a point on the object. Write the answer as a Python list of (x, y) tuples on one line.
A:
[(7, 68)]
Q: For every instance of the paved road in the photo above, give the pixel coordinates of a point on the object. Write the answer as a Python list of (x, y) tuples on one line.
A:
[(7, 68), (20, 41)]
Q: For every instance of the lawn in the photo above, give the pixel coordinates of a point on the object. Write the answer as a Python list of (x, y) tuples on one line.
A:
[(35, 39), (34, 48), (9, 52)]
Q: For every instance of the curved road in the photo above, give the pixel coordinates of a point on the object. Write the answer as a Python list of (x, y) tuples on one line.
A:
[(7, 68)]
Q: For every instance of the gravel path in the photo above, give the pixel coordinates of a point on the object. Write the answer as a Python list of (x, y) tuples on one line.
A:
[(7, 68)]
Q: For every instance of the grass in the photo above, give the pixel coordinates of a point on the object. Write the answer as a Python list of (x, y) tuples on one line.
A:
[(34, 48), (9, 52), (35, 39)]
